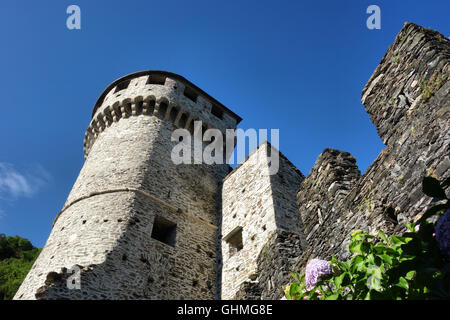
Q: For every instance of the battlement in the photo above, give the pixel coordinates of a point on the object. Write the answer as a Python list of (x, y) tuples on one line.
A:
[(162, 94)]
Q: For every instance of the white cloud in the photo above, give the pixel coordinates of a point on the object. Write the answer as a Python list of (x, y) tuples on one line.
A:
[(15, 184)]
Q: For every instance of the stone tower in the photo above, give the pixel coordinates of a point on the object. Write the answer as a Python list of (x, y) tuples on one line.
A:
[(259, 208), (135, 224)]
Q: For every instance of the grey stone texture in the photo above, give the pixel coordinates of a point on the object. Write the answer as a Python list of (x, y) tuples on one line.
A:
[(261, 204), (237, 234), (128, 179), (407, 98), (416, 132), (274, 264)]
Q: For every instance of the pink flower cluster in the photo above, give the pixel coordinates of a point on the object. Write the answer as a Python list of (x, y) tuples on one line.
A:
[(314, 270)]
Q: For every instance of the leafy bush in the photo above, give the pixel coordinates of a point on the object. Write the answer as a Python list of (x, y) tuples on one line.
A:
[(17, 255), (415, 265)]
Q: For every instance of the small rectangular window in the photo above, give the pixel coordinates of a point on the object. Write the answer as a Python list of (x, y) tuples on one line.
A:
[(234, 240), (121, 86), (190, 93), (156, 79), (216, 111), (164, 231)]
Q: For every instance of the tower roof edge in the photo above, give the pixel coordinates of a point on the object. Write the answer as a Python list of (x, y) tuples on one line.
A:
[(164, 73)]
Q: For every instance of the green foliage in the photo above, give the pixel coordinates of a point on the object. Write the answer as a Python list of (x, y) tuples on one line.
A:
[(410, 266), (17, 255), (434, 83)]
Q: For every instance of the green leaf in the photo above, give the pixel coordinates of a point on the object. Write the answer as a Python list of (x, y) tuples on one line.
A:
[(334, 260), (356, 263), (396, 240), (402, 283), (374, 271), (294, 289), (366, 247), (386, 259), (432, 188), (357, 232), (338, 280), (332, 297), (374, 283), (383, 236), (287, 292), (380, 248), (344, 266), (355, 247), (370, 259), (295, 276), (410, 275), (410, 226)]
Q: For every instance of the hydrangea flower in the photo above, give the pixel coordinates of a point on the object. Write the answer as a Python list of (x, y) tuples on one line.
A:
[(442, 230), (314, 270)]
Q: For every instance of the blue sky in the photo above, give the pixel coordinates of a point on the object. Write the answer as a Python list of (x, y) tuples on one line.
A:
[(298, 66)]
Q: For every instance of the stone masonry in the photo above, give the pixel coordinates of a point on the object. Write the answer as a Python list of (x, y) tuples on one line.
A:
[(137, 226), (255, 205), (407, 98)]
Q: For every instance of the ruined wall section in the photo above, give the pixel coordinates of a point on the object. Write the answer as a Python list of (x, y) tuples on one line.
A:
[(407, 99), (330, 180), (399, 93)]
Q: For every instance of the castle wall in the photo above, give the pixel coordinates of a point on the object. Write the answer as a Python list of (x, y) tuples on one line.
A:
[(127, 184), (274, 264), (407, 99), (238, 235), (261, 204)]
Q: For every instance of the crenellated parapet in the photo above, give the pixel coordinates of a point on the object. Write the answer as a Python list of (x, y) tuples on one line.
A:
[(161, 94)]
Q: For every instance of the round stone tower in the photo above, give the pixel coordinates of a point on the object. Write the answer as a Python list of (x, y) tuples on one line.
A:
[(136, 225)]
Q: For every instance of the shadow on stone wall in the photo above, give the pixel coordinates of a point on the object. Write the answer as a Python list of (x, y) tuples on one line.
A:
[(140, 267)]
